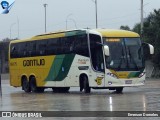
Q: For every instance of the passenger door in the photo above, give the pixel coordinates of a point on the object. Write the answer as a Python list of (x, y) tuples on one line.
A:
[(97, 59)]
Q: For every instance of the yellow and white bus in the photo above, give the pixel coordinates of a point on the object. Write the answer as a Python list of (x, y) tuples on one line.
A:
[(85, 58)]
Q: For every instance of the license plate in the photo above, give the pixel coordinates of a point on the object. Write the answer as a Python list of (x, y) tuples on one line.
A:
[(128, 82)]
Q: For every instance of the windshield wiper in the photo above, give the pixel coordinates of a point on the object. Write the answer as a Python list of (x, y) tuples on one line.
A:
[(122, 57), (132, 58)]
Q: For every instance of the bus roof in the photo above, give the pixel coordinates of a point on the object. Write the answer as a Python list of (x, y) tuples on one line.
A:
[(117, 33), (104, 32), (53, 35)]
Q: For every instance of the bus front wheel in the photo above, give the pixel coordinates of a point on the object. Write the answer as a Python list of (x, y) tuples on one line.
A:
[(119, 89), (87, 89), (25, 85)]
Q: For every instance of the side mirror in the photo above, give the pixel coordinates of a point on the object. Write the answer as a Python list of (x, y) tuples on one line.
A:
[(148, 48), (151, 49), (106, 50)]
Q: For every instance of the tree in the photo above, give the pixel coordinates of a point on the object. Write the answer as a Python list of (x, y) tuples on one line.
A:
[(126, 27), (151, 33), (6, 40), (137, 28)]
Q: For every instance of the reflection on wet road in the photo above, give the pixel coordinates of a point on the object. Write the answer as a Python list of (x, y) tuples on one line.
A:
[(144, 98)]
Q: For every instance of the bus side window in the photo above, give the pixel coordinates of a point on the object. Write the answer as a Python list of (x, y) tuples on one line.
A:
[(22, 51), (81, 45), (60, 46), (14, 50), (41, 47), (68, 44), (31, 48), (52, 46)]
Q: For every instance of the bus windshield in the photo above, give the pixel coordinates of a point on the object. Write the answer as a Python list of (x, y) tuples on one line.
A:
[(125, 54)]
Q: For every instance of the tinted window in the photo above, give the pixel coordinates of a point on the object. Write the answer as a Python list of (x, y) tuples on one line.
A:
[(67, 45), (31, 48), (41, 46), (96, 53), (14, 50), (54, 46), (81, 45), (22, 51)]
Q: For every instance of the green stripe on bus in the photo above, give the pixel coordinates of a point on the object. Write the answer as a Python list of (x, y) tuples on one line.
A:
[(77, 32), (65, 67), (56, 65), (60, 67), (134, 74)]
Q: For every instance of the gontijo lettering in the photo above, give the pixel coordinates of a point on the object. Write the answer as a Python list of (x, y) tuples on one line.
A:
[(34, 62)]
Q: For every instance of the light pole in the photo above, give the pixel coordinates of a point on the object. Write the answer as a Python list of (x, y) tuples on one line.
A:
[(11, 29), (141, 17), (45, 5), (18, 26), (95, 1), (67, 19), (74, 22)]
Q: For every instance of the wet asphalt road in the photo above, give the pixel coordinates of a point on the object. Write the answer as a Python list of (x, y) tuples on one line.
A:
[(144, 98)]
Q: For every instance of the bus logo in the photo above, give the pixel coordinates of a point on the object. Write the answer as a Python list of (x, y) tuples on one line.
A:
[(6, 114), (99, 80), (34, 62), (6, 5)]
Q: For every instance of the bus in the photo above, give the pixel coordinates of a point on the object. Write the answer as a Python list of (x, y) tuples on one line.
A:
[(84, 58)]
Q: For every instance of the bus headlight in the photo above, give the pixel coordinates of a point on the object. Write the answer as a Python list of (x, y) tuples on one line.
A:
[(143, 73), (112, 75)]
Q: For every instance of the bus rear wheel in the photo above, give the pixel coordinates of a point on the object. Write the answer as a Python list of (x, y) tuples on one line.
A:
[(34, 87), (25, 85)]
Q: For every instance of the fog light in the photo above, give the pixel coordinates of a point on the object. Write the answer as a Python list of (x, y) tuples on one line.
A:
[(109, 82)]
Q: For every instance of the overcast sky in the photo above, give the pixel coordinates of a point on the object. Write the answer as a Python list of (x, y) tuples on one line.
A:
[(78, 13)]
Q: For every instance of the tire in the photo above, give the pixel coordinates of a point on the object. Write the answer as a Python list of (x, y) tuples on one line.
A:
[(34, 87), (25, 85), (86, 88), (119, 89), (81, 84)]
